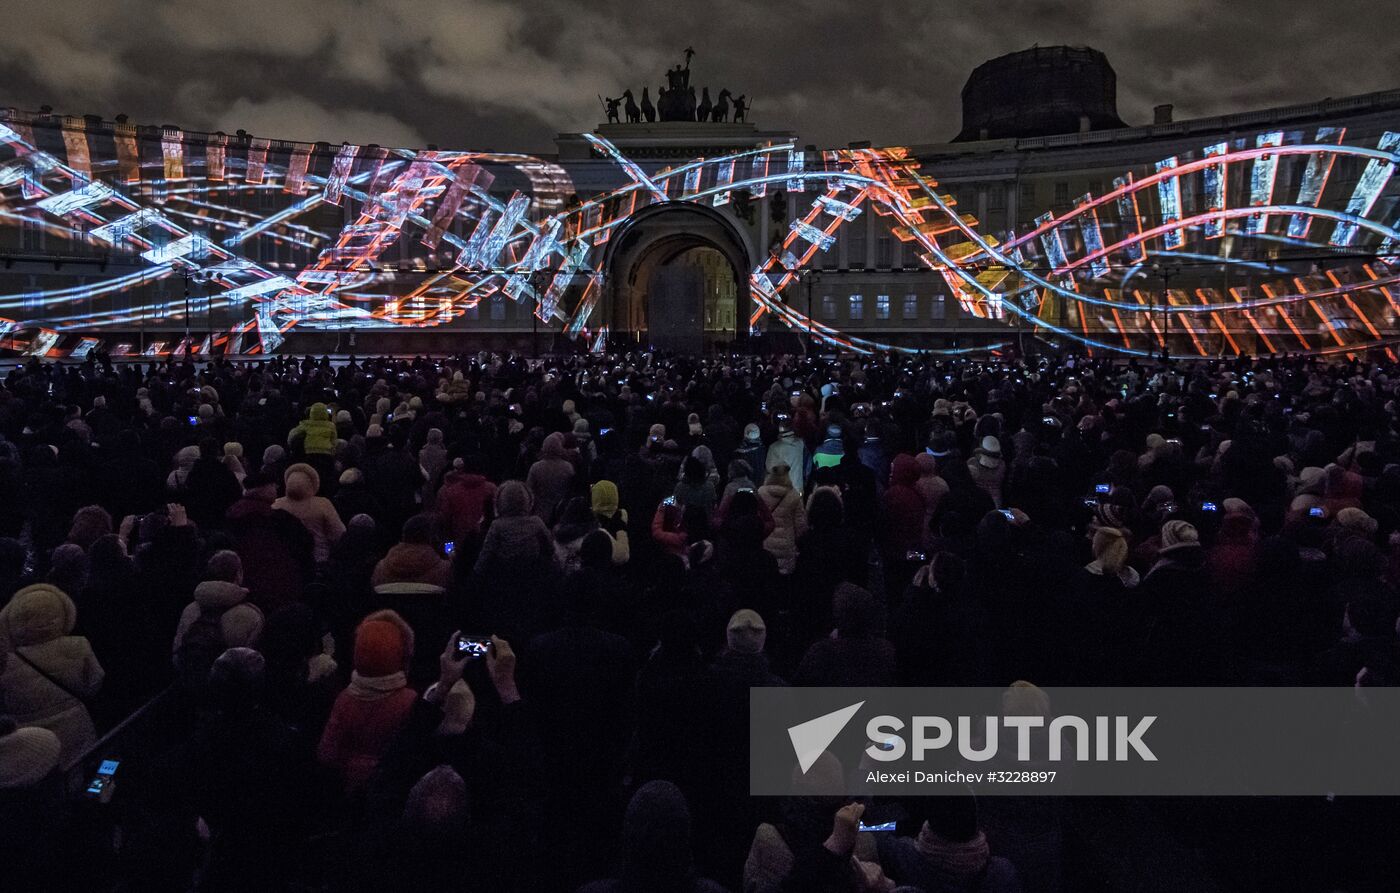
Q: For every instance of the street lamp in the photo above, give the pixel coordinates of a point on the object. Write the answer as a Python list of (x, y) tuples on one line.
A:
[(1165, 271)]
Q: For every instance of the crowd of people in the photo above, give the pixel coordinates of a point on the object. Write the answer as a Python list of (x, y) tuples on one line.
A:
[(492, 621)]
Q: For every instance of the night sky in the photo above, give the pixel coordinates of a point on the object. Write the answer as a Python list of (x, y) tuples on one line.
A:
[(483, 74)]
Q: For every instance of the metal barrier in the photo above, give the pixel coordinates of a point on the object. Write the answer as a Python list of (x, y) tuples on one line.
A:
[(78, 770)]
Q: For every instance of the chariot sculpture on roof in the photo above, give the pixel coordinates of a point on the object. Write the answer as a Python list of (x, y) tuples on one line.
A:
[(677, 101)]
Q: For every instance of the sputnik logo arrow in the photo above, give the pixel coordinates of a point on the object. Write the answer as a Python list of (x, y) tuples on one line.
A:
[(811, 738)]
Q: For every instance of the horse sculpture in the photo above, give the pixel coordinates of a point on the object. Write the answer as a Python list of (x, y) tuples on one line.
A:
[(648, 110), (721, 111), (634, 114)]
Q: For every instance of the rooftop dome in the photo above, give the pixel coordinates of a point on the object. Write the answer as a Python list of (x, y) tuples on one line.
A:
[(1039, 92)]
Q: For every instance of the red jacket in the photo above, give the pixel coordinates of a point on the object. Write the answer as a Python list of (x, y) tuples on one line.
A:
[(462, 501), (904, 507), (360, 731)]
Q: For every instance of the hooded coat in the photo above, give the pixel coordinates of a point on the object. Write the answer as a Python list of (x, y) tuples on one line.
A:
[(317, 431), (516, 534), (656, 846), (37, 623), (411, 567), (612, 519), (316, 513), (550, 477), (904, 507), (240, 621), (789, 450), (789, 519), (370, 712)]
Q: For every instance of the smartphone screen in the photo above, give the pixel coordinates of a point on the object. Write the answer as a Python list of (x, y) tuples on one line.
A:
[(448, 547), (473, 647), (884, 826)]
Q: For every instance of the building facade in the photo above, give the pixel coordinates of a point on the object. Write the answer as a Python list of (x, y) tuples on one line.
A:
[(1271, 230)]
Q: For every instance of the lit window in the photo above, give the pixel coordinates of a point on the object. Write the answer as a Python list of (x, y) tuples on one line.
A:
[(498, 307), (911, 306), (940, 307), (857, 307), (473, 311), (828, 307), (882, 306)]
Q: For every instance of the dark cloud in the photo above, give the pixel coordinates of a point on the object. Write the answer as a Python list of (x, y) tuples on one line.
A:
[(507, 75)]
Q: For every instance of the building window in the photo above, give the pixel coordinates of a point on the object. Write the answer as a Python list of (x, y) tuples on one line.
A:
[(855, 248), (1027, 197), (473, 311), (498, 307), (912, 249), (1061, 194), (940, 307), (1096, 188), (828, 307), (884, 252), (882, 306), (996, 197), (857, 307), (911, 306)]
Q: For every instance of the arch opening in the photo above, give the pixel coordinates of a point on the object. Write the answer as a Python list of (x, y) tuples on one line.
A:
[(678, 276)]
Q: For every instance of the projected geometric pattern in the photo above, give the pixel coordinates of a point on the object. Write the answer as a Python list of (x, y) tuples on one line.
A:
[(491, 224)]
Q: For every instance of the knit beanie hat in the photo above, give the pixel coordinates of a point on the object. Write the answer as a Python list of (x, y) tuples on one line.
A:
[(379, 648), (27, 756), (233, 448), (581, 425), (746, 632), (274, 454), (1106, 514), (1357, 521), (1177, 536)]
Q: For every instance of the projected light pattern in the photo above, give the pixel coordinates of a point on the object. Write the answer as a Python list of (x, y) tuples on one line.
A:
[(366, 236)]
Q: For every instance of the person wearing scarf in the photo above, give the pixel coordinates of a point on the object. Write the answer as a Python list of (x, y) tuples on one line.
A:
[(369, 713)]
